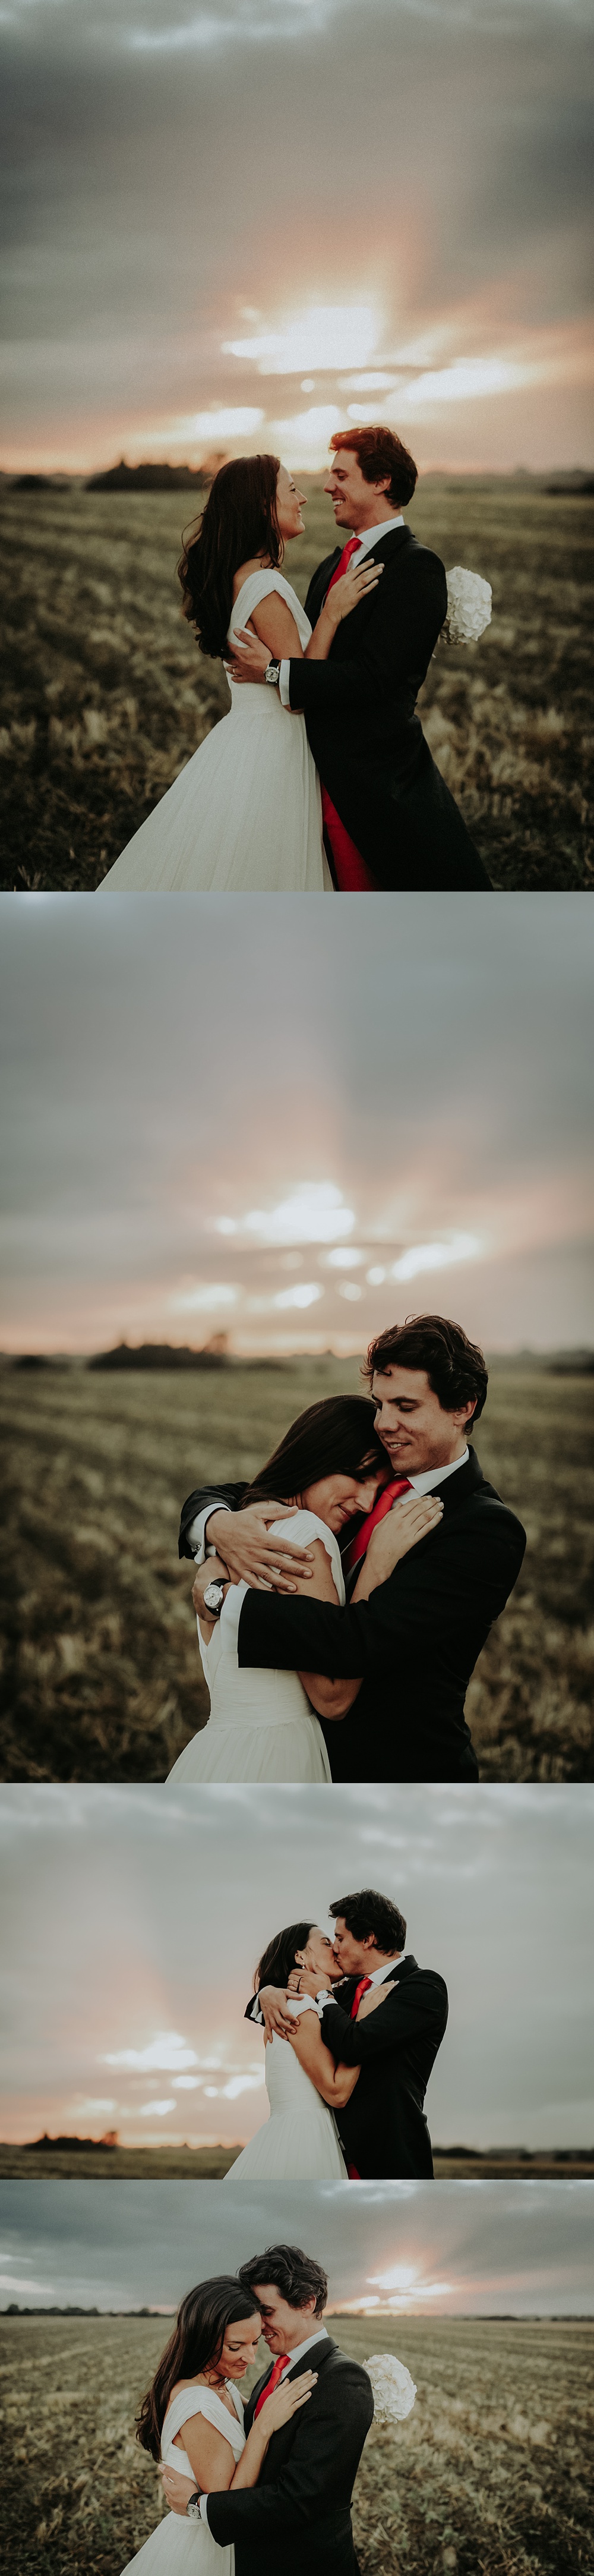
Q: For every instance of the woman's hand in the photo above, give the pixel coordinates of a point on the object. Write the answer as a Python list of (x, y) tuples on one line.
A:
[(285, 2402), (413, 1518), (353, 586)]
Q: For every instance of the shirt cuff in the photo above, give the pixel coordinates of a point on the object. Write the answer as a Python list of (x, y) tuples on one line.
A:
[(302, 2003), (230, 1616), (203, 2512), (197, 1531), (284, 684), (255, 2011), (324, 1998)]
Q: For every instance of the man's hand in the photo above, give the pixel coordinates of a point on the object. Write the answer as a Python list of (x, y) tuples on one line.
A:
[(267, 1564), (303, 1982), (178, 2490), (248, 659), (277, 2021)]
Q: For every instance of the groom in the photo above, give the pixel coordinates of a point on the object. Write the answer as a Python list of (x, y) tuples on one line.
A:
[(389, 819), (300, 2511), (383, 2130), (394, 1670)]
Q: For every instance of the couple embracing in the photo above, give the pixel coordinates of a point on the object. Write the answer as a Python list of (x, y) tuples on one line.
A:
[(350, 1588), (352, 2028), (320, 779), (256, 2489)]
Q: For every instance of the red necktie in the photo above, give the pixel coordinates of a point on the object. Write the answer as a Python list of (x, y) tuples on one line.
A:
[(358, 1546), (280, 2364), (361, 1989), (347, 551), (354, 877)]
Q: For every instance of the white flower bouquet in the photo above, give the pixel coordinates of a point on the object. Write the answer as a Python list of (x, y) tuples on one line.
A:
[(469, 607), (394, 2391)]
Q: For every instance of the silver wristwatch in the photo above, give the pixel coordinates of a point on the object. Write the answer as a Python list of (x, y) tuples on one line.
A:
[(193, 2507), (214, 1596), (272, 674)]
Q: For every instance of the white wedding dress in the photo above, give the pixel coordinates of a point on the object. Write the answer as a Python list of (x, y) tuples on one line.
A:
[(299, 2143), (245, 814), (182, 2547), (261, 1726)]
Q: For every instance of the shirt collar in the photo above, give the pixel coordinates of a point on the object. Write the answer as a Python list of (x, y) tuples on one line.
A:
[(386, 1970), (371, 536), (321, 2336), (437, 1475)]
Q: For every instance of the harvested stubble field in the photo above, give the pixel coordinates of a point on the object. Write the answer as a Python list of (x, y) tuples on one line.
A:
[(101, 1671), (489, 2476), (106, 697)]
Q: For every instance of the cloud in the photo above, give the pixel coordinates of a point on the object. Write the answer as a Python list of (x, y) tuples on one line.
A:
[(429, 194), (441, 1081), (464, 2249)]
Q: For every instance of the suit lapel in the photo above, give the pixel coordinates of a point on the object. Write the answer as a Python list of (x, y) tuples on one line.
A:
[(385, 552), (319, 584), (458, 1488)]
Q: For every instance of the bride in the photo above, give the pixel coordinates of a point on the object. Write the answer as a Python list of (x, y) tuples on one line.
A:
[(194, 2393), (300, 2141), (331, 1467), (245, 815)]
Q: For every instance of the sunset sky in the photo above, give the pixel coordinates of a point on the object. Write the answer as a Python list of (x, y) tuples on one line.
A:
[(466, 2249), (133, 1920), (295, 1137), (236, 224)]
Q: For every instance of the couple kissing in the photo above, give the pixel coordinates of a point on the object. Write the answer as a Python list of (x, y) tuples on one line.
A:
[(352, 2028)]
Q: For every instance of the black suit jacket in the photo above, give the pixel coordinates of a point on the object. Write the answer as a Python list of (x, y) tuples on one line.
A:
[(300, 2512), (383, 2128), (366, 738), (415, 1642)]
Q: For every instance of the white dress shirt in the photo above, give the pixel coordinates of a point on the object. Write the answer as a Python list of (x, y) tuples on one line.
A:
[(432, 1476), (365, 543), (297, 2355)]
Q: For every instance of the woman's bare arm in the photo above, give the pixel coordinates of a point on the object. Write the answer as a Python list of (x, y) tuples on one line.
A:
[(276, 627), (411, 1520), (273, 625), (334, 2083)]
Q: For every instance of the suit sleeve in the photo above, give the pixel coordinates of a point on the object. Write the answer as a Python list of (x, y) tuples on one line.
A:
[(460, 1576), (325, 2444), (203, 1500), (416, 2008), (398, 639)]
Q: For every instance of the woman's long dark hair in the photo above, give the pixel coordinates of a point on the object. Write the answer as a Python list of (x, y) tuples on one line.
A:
[(274, 1967), (239, 521), (334, 1437), (197, 2339)]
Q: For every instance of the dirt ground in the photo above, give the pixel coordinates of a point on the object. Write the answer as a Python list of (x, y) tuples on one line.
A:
[(489, 2476), (105, 695)]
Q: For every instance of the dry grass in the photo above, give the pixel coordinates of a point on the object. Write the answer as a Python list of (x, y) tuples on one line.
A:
[(105, 696), (489, 2477), (101, 1672)]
